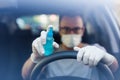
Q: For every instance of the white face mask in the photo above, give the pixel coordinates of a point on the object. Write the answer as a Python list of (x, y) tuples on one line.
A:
[(71, 40)]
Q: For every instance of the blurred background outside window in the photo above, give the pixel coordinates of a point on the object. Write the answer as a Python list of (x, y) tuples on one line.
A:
[(38, 22)]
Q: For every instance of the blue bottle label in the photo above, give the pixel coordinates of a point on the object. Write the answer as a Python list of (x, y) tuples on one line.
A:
[(48, 47)]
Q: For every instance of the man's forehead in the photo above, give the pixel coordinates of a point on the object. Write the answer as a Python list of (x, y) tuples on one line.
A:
[(71, 21)]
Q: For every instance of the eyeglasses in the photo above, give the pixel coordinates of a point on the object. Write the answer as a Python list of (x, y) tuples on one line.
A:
[(67, 30)]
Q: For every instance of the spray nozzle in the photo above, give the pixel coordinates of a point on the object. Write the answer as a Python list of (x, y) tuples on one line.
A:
[(50, 31)]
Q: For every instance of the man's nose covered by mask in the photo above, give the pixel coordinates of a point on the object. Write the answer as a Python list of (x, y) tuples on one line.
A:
[(71, 40)]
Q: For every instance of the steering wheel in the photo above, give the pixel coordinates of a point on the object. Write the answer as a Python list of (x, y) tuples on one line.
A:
[(66, 55)]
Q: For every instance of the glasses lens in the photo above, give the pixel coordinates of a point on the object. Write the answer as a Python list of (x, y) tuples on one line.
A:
[(68, 29)]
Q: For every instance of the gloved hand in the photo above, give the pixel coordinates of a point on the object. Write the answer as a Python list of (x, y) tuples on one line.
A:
[(37, 47), (91, 55)]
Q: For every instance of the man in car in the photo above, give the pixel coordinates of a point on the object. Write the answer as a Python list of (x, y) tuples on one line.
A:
[(71, 30)]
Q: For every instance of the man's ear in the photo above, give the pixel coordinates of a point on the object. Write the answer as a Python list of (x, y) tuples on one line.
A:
[(60, 32)]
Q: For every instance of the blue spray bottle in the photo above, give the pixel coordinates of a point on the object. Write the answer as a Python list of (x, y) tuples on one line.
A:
[(48, 47)]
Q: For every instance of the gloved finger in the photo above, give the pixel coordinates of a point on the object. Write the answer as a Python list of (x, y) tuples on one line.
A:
[(43, 37), (56, 45), (76, 48), (86, 57), (97, 59), (34, 50), (80, 54), (91, 60), (34, 45), (40, 47)]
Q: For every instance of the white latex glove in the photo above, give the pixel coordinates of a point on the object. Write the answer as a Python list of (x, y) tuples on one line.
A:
[(91, 55), (37, 47)]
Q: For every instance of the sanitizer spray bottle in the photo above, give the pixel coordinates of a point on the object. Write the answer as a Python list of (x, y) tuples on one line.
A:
[(48, 47)]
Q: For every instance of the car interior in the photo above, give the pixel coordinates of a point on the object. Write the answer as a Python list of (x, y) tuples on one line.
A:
[(18, 30)]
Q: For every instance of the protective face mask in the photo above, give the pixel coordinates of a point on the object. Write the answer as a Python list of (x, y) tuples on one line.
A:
[(71, 40)]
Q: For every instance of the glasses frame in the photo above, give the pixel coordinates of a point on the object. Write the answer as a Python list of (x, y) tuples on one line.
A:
[(67, 30)]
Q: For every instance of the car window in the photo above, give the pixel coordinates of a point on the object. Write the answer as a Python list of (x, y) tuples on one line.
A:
[(116, 11), (38, 22)]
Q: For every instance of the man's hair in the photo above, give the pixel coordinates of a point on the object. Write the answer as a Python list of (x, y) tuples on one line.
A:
[(72, 15)]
